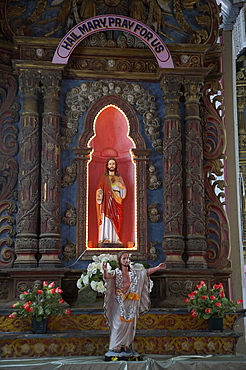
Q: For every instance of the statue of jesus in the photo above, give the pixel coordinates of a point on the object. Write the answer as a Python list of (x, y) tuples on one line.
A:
[(110, 192)]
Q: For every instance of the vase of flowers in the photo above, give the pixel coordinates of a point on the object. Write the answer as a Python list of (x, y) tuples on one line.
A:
[(91, 283), (39, 303), (210, 303)]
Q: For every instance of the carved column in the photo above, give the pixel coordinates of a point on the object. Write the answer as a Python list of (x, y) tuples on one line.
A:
[(50, 237), (26, 246), (173, 240), (241, 104), (194, 182)]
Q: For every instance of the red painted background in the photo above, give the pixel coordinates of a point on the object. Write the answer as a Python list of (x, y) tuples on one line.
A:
[(111, 141)]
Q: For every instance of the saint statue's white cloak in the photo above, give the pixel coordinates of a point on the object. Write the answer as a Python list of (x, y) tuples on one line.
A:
[(122, 310)]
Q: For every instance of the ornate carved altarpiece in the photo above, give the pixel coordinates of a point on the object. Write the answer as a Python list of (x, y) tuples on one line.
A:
[(175, 121)]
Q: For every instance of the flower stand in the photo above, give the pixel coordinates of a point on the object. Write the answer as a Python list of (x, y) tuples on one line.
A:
[(215, 323), (39, 327)]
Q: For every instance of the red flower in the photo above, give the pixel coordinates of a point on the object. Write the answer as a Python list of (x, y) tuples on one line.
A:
[(207, 310), (52, 291), (199, 286), (202, 282), (187, 300), (68, 311), (52, 285), (25, 292), (222, 294), (204, 297), (14, 305), (39, 291), (30, 309), (217, 304), (61, 300), (58, 290), (212, 297), (45, 283), (193, 314), (11, 316), (239, 301)]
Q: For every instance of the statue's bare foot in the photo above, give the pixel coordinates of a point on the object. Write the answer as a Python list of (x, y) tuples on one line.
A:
[(117, 349)]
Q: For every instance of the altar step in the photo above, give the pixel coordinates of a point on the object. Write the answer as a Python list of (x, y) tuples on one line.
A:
[(86, 334)]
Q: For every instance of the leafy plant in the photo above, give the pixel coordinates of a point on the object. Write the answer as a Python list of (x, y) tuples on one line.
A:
[(40, 303), (205, 303)]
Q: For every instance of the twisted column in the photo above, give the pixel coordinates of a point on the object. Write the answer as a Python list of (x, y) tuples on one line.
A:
[(194, 183), (50, 237), (26, 246), (173, 239)]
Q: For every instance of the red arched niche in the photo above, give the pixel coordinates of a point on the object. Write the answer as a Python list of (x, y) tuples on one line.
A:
[(113, 131), (111, 139)]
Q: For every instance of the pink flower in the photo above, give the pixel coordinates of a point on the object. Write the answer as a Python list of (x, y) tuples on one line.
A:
[(207, 310), (25, 292), (212, 297), (45, 283), (58, 290), (239, 301), (61, 300), (217, 304), (52, 285), (52, 291), (39, 291), (68, 311), (202, 282), (187, 300), (12, 316), (204, 297)]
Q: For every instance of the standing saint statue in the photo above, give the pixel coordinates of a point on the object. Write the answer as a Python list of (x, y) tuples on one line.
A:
[(126, 297), (110, 192)]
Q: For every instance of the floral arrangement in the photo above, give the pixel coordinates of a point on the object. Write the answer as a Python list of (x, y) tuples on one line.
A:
[(205, 303), (94, 275), (40, 303)]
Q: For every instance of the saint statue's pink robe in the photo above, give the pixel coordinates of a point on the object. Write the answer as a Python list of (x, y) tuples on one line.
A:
[(122, 310)]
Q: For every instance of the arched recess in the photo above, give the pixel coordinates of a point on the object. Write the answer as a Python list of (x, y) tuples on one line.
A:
[(87, 168)]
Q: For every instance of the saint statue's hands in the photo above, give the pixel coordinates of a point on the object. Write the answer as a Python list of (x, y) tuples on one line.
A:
[(99, 196), (162, 266)]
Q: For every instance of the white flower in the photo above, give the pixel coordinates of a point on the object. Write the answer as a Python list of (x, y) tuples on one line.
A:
[(100, 287), (80, 283), (85, 279), (94, 285)]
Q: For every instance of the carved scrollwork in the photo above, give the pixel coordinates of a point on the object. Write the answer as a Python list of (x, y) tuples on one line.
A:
[(70, 216), (152, 181), (217, 227), (153, 213), (69, 174), (152, 252), (9, 116), (80, 98), (69, 251)]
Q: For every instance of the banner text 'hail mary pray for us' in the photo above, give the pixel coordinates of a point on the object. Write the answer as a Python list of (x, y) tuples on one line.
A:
[(112, 22)]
